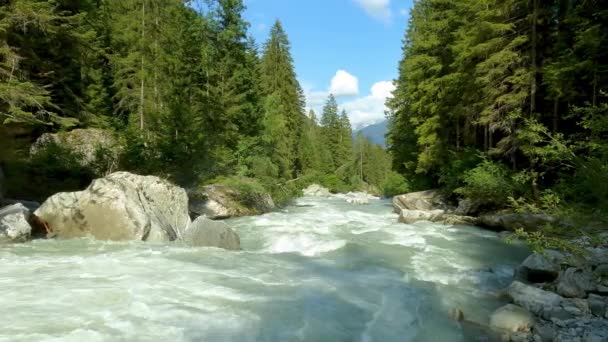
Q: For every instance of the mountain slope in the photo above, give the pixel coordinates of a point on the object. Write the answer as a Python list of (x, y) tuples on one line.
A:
[(376, 132)]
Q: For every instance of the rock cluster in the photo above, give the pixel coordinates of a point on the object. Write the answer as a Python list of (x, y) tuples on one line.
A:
[(121, 206), (431, 205), (556, 298)]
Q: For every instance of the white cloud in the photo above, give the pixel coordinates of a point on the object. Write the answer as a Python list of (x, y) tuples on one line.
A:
[(369, 109), (379, 9), (344, 84), (404, 12), (363, 110)]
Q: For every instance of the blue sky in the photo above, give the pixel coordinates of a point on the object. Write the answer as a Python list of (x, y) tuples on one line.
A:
[(349, 47)]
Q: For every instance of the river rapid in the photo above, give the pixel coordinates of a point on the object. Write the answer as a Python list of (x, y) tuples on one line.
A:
[(322, 270)]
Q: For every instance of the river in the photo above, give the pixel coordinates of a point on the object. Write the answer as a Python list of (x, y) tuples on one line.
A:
[(323, 270)]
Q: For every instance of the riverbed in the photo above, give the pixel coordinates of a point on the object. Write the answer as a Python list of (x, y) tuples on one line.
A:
[(321, 270)]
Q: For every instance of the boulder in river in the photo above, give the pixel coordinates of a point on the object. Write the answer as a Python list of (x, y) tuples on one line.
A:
[(413, 216), (315, 190), (121, 206), (540, 268), (222, 201), (511, 318), (204, 232), (428, 200), (14, 224)]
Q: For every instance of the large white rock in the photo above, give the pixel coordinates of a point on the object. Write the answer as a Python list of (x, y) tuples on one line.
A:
[(14, 224), (204, 232), (512, 318), (413, 216), (315, 190), (121, 206), (428, 200)]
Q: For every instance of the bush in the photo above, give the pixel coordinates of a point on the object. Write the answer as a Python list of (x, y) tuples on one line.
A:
[(450, 176), (51, 170), (489, 183), (249, 189), (394, 184)]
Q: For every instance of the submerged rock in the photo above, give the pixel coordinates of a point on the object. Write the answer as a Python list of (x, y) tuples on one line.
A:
[(204, 232), (14, 224), (428, 200), (540, 268), (222, 201), (315, 190), (356, 197), (121, 206), (511, 318)]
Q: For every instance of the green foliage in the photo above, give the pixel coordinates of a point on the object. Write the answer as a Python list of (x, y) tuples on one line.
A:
[(394, 184), (250, 190), (51, 170), (451, 176), (488, 183)]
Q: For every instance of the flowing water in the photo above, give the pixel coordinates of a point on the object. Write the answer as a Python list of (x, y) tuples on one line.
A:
[(323, 270)]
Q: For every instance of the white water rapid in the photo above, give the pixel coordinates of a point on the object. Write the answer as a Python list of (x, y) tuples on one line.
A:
[(323, 270)]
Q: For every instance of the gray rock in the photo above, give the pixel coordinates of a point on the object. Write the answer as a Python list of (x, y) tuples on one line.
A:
[(521, 336), (428, 200), (467, 207), (601, 271), (597, 256), (514, 221), (511, 318), (531, 298), (545, 331), (597, 305), (540, 268), (84, 142), (601, 289), (14, 224), (221, 202), (413, 216), (575, 283), (451, 219), (121, 206), (315, 190), (204, 232)]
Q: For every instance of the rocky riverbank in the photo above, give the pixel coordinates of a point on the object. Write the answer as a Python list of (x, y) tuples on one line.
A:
[(554, 296)]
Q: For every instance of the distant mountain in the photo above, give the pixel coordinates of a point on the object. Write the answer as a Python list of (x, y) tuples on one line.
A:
[(375, 132)]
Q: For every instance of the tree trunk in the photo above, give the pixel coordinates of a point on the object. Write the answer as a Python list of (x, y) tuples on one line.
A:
[(533, 85), (141, 90)]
